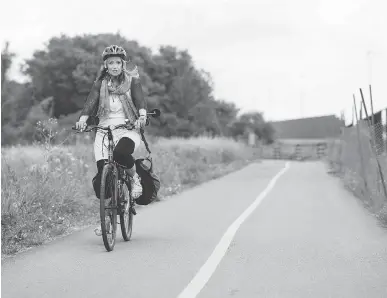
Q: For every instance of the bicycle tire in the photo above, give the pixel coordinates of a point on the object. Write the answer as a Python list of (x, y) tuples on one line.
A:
[(126, 215), (108, 188)]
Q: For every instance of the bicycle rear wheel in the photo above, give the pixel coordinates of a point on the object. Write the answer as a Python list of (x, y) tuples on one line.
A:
[(108, 207), (126, 216)]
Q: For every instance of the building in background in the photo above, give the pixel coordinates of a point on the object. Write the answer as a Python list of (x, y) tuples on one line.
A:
[(305, 138), (313, 128)]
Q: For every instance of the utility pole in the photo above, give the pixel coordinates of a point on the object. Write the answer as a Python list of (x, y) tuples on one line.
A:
[(301, 104), (302, 95), (269, 103), (369, 58)]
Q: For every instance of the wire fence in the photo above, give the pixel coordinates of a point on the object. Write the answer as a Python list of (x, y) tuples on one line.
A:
[(360, 158)]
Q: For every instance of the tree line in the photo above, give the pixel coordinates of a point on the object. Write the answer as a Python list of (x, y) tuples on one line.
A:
[(61, 75)]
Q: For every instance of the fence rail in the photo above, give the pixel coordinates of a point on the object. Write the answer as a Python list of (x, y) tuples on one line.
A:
[(360, 158), (295, 150)]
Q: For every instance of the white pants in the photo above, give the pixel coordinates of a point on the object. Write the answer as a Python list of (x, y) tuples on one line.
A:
[(101, 151)]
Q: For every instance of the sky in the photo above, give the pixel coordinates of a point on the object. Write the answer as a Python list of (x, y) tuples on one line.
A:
[(287, 59)]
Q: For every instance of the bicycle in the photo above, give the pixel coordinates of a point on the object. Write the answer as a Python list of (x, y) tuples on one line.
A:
[(115, 191)]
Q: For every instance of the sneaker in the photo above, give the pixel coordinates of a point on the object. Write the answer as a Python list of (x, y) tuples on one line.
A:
[(136, 186), (98, 231)]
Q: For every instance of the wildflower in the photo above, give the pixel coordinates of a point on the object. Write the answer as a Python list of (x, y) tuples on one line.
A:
[(33, 167), (44, 167)]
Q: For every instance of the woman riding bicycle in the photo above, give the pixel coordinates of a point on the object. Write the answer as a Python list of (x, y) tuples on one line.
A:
[(116, 95)]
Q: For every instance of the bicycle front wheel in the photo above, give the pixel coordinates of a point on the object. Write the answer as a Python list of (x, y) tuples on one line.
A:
[(108, 206)]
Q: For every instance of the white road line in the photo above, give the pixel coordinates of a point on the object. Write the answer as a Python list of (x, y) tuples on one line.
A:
[(209, 267)]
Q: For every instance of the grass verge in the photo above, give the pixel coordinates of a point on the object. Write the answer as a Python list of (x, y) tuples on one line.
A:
[(357, 166)]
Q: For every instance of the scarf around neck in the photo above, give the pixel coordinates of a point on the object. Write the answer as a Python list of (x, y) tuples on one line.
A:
[(123, 91)]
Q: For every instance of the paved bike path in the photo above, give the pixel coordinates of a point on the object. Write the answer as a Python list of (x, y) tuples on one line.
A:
[(308, 238), (170, 241)]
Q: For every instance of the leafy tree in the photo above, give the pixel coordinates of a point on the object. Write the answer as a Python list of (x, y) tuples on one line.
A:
[(62, 74), (256, 123)]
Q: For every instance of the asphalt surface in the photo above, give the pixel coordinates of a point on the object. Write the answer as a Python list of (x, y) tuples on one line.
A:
[(307, 238)]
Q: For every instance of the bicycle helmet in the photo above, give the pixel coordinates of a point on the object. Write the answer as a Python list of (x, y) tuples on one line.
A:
[(113, 51)]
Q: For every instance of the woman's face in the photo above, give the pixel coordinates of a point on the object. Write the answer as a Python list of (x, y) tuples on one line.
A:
[(114, 66)]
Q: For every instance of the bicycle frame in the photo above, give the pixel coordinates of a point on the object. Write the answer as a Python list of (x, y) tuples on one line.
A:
[(110, 152), (110, 146), (118, 169)]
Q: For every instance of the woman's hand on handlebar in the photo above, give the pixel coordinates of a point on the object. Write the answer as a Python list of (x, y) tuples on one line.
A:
[(81, 124), (141, 121)]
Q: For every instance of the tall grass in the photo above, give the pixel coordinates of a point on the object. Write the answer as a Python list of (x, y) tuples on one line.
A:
[(47, 192), (353, 158)]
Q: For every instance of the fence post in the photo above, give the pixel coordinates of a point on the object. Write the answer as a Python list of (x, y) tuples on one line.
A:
[(360, 148), (277, 151), (298, 152), (321, 150), (374, 149)]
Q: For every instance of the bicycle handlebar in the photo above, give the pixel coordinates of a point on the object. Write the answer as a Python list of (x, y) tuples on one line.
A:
[(95, 127), (154, 113)]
